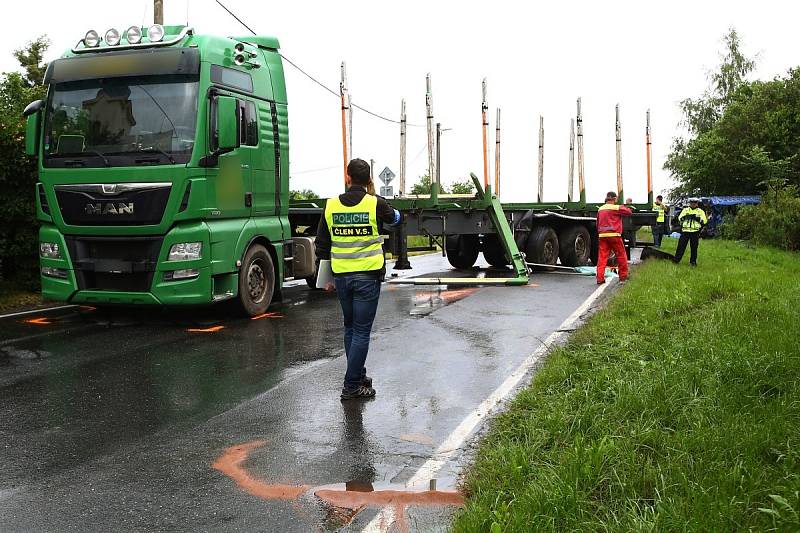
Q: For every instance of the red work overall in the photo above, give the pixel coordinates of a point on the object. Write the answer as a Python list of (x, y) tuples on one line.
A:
[(609, 231)]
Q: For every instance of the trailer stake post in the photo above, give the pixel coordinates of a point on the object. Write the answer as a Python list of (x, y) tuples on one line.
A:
[(648, 141), (571, 171), (540, 195), (618, 128), (581, 180), (497, 156), (485, 126)]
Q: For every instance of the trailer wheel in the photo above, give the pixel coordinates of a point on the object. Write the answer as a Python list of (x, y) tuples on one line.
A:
[(493, 251), (256, 280), (462, 250), (575, 246), (542, 246)]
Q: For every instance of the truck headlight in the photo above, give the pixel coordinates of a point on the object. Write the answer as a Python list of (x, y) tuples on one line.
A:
[(49, 250), (184, 251)]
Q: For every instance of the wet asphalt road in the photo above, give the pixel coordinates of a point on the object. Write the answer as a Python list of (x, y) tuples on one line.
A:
[(130, 420)]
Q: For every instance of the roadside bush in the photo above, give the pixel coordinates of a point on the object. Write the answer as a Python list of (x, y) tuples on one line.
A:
[(18, 225), (774, 222)]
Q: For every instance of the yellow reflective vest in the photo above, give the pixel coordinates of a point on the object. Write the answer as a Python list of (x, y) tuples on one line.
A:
[(356, 245), (692, 219), (660, 210)]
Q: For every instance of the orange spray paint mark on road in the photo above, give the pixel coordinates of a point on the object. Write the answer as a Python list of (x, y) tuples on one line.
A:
[(230, 464), (212, 329), (40, 321), (351, 497), (266, 315), (531, 285)]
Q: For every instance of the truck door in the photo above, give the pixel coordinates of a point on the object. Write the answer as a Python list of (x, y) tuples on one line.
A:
[(232, 177)]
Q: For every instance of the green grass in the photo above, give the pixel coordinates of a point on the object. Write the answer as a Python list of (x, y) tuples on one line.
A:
[(677, 407)]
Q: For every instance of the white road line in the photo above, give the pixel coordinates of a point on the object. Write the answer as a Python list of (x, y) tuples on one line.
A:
[(32, 311), (456, 439)]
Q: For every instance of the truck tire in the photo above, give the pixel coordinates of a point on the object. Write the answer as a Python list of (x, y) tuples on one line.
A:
[(462, 250), (542, 246), (256, 281), (493, 251), (575, 246)]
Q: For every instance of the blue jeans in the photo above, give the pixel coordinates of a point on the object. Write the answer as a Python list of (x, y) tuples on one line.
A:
[(358, 294)]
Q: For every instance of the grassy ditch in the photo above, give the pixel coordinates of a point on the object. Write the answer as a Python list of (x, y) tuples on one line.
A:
[(677, 407), (13, 298)]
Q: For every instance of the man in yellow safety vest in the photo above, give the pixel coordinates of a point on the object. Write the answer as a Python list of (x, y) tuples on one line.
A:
[(660, 227), (692, 218), (349, 236)]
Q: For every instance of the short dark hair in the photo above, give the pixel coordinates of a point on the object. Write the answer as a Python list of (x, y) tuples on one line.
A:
[(659, 197), (610, 195), (359, 172)]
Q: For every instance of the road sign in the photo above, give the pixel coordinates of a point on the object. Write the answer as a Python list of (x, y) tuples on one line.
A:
[(387, 191), (386, 176)]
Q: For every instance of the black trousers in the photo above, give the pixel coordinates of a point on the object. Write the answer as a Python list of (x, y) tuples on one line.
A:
[(691, 237)]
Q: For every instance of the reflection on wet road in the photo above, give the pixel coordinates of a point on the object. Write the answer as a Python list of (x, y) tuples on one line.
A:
[(112, 419)]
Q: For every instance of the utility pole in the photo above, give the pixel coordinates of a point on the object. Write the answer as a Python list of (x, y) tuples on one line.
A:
[(158, 11), (485, 125), (402, 147), (431, 140)]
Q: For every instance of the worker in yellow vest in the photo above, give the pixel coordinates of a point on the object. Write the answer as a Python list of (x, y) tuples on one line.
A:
[(661, 220), (692, 218), (349, 236)]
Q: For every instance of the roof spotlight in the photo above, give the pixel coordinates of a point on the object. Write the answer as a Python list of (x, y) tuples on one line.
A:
[(155, 33), (134, 35), (91, 39), (112, 37)]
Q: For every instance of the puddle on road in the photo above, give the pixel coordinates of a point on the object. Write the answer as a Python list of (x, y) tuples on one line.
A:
[(343, 501)]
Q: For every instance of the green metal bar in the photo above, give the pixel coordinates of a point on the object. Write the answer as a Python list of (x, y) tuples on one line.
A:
[(506, 236)]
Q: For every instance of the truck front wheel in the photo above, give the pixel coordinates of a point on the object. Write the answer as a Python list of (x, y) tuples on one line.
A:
[(256, 280)]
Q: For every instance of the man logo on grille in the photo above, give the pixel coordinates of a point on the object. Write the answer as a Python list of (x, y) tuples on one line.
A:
[(109, 208)]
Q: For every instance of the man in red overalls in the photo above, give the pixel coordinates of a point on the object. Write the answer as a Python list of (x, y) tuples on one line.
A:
[(609, 231)]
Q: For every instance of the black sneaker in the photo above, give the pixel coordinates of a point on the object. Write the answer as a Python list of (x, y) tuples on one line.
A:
[(361, 393), (366, 381)]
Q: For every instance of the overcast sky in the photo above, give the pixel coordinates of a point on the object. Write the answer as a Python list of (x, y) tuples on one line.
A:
[(538, 59)]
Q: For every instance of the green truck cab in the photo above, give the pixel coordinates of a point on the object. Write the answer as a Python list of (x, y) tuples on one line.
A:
[(163, 160)]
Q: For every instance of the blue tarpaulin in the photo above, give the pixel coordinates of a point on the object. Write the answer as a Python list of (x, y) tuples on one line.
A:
[(732, 200)]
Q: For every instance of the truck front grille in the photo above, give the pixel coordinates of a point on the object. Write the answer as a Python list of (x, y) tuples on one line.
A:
[(113, 204), (114, 263)]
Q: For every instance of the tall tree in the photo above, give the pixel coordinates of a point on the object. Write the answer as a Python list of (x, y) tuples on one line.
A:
[(18, 225), (700, 117)]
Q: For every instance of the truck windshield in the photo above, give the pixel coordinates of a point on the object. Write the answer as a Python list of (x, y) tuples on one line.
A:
[(121, 121)]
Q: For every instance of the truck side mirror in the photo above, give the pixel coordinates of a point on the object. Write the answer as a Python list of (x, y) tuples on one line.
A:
[(227, 123), (33, 119)]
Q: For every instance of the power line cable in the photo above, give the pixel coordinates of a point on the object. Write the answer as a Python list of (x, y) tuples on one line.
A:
[(315, 80)]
